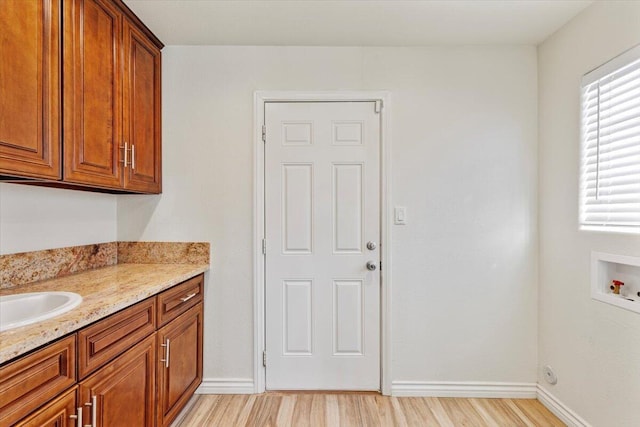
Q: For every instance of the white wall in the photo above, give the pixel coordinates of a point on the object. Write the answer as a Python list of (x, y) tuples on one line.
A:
[(464, 160), (35, 218), (593, 347)]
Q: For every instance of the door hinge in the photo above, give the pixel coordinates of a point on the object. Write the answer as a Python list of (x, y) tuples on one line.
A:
[(264, 133), (378, 106), (264, 246), (264, 359)]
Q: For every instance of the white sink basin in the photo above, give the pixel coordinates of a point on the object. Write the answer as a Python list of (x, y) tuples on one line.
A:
[(24, 309)]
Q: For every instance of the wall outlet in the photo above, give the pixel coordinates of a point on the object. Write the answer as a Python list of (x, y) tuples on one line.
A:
[(549, 375)]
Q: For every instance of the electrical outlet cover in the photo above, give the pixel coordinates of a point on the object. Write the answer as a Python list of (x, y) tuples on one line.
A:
[(549, 375)]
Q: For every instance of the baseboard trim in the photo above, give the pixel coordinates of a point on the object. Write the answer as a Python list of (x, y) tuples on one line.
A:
[(431, 389), (464, 389), (560, 410), (226, 386), (185, 411)]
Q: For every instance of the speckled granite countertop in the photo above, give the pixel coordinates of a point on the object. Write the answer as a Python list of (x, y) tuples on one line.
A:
[(104, 291)]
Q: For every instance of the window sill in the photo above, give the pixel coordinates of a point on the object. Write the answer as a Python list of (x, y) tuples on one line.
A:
[(610, 229)]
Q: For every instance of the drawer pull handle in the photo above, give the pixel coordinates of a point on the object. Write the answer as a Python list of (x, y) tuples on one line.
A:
[(77, 417), (166, 353), (188, 297)]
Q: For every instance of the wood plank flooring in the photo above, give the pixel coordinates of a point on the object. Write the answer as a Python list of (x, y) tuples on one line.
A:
[(363, 409)]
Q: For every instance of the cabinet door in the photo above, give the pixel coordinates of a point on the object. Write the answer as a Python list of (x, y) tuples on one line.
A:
[(141, 113), (61, 412), (179, 363), (122, 393), (92, 93), (30, 88)]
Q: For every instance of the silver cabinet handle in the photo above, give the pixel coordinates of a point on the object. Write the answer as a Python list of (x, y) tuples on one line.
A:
[(166, 353), (133, 156), (188, 297), (371, 266), (77, 417), (94, 410), (126, 148)]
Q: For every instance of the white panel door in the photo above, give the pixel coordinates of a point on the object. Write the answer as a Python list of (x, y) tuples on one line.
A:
[(322, 202)]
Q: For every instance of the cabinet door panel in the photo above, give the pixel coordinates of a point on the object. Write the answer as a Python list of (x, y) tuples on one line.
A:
[(30, 88), (141, 112), (124, 389), (178, 381), (57, 413), (92, 90)]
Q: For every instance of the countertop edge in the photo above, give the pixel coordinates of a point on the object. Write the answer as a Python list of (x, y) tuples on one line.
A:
[(95, 306)]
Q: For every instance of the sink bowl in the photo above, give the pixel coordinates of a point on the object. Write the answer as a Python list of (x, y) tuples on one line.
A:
[(24, 309)]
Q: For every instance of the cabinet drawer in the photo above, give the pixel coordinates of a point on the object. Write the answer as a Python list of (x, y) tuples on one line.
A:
[(175, 301), (32, 380), (106, 339)]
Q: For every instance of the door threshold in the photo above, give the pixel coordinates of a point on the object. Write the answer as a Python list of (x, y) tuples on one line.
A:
[(358, 392)]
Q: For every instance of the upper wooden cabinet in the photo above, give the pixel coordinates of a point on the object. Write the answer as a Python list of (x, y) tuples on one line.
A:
[(92, 77), (112, 84), (30, 88), (111, 111), (141, 111)]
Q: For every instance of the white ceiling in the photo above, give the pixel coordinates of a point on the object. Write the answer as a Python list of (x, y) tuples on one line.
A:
[(355, 22)]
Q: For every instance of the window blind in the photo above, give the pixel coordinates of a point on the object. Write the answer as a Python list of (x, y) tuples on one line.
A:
[(610, 160)]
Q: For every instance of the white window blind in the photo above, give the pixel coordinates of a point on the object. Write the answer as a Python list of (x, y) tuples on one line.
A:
[(610, 160)]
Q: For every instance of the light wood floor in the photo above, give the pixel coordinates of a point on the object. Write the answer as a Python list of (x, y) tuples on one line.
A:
[(363, 409)]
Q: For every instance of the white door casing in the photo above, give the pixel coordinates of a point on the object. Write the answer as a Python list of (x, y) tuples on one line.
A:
[(322, 206)]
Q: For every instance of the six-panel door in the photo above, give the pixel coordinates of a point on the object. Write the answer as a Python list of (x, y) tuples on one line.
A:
[(322, 199)]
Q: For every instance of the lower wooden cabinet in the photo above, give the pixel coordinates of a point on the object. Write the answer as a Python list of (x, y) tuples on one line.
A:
[(180, 367), (129, 375), (61, 412), (122, 393)]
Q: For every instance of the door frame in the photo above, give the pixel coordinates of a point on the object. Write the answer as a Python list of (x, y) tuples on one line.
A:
[(386, 216)]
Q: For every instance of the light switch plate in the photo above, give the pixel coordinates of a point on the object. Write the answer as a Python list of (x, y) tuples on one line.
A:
[(400, 215)]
